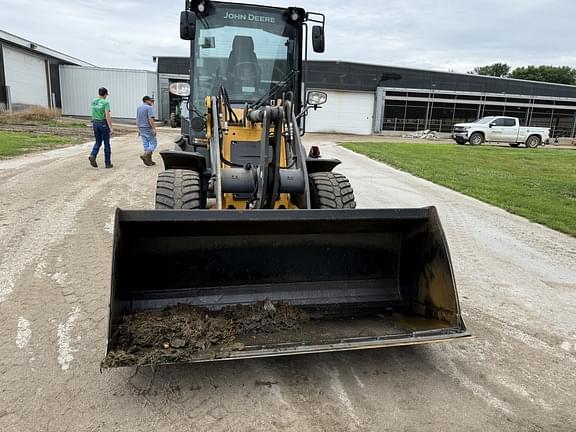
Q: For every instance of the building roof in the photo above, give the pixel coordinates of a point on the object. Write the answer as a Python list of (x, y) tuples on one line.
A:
[(341, 75), (366, 77), (34, 47)]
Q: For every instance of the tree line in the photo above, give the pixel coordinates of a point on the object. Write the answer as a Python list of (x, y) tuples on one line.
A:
[(551, 74)]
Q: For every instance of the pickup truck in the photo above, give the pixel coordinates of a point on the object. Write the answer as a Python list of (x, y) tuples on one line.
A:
[(500, 129)]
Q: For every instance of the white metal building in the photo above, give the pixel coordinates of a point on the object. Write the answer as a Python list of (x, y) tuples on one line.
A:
[(29, 73), (344, 112), (26, 75), (79, 86)]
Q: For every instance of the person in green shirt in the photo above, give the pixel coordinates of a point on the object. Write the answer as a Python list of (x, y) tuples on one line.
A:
[(102, 125)]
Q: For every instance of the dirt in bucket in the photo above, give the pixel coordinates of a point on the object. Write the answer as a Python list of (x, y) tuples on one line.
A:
[(179, 333)]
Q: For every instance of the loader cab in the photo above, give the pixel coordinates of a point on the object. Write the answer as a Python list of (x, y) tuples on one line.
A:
[(252, 52)]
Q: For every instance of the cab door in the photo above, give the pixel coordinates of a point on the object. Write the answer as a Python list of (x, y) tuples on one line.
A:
[(509, 130), (497, 131)]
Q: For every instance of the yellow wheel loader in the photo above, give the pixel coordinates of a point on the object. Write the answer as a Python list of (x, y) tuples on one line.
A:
[(255, 247)]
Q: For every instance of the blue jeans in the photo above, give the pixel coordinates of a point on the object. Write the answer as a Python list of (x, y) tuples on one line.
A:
[(149, 141), (101, 134)]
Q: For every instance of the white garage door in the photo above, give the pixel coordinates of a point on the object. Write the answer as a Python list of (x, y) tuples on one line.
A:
[(345, 112), (26, 77)]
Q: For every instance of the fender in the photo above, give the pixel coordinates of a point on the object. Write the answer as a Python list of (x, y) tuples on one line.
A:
[(315, 165), (174, 159)]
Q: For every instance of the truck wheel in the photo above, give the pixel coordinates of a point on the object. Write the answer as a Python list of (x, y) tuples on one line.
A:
[(476, 138), (179, 189), (331, 191), (514, 145), (533, 141)]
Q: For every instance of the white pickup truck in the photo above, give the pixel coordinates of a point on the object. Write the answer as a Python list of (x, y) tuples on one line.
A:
[(500, 129)]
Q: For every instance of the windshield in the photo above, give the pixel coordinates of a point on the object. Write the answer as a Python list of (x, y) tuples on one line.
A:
[(246, 51), (485, 120)]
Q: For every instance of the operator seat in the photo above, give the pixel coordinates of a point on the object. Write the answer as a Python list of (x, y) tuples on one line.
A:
[(243, 70)]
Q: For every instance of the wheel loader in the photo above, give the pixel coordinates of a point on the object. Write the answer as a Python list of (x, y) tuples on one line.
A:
[(248, 222)]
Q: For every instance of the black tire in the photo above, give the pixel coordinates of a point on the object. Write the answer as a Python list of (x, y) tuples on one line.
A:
[(533, 141), (178, 189), (476, 138), (331, 191), (514, 145)]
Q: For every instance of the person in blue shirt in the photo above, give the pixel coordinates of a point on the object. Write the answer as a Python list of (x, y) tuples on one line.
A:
[(147, 129)]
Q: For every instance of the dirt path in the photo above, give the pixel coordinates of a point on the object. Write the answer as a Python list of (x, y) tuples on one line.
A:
[(517, 283)]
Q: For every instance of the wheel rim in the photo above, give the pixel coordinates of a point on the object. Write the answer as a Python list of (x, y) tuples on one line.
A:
[(533, 142), (476, 140)]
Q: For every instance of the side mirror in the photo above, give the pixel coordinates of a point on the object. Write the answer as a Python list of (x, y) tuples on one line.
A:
[(187, 25), (491, 125), (316, 98), (318, 41)]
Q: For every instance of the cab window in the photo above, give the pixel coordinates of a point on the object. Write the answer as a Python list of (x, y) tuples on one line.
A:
[(505, 122)]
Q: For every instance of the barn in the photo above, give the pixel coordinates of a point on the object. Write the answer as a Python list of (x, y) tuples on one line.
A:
[(30, 73)]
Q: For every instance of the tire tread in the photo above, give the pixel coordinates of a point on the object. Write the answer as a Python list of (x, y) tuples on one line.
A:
[(178, 189), (331, 191)]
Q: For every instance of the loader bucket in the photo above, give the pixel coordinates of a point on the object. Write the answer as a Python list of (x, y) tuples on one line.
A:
[(361, 278)]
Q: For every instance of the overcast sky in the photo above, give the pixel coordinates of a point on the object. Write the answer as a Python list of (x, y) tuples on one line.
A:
[(441, 34)]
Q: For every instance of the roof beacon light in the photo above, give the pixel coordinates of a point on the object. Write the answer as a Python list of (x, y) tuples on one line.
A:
[(201, 7)]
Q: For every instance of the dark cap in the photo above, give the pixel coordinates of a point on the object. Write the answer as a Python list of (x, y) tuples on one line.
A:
[(147, 98), (102, 91)]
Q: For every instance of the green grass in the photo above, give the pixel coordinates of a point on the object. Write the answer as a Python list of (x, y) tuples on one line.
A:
[(16, 143), (537, 184)]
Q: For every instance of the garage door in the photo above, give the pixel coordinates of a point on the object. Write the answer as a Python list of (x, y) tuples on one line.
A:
[(345, 112), (26, 77)]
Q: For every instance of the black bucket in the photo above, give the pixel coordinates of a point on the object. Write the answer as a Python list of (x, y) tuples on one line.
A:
[(375, 278)]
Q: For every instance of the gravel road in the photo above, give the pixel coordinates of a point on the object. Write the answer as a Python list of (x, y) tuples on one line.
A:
[(517, 285)]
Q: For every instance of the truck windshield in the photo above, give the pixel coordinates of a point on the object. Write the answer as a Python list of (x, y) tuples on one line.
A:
[(245, 50)]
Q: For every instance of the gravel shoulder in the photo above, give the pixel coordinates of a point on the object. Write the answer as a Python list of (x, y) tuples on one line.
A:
[(516, 279)]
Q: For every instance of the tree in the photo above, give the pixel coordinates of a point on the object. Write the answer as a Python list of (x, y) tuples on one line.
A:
[(496, 70), (551, 74)]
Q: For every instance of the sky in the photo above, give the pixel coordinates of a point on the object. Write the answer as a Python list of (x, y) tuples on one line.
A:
[(446, 35)]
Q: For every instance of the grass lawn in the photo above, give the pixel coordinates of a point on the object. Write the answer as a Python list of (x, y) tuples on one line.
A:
[(537, 184), (16, 143)]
